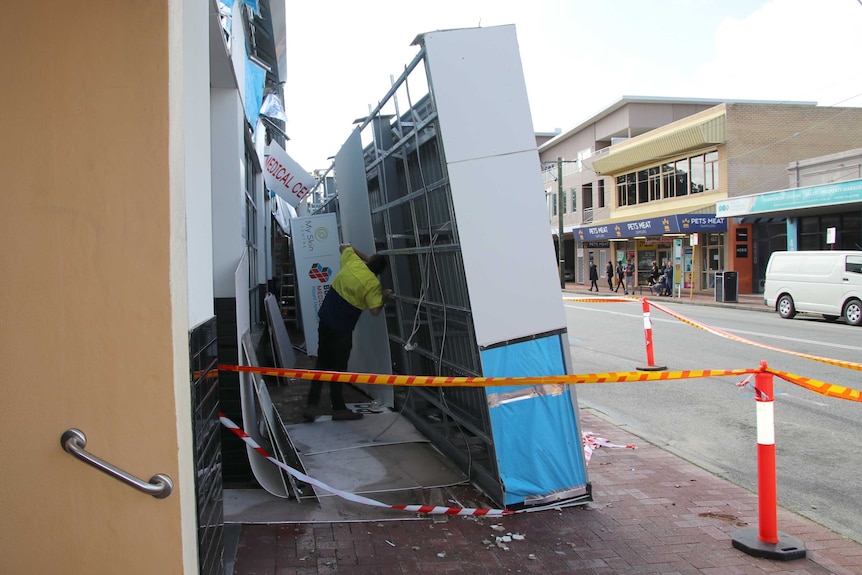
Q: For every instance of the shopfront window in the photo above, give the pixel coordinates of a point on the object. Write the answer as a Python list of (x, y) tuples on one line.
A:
[(848, 227), (621, 191), (681, 177), (643, 187), (697, 174), (631, 189), (668, 182), (654, 183), (712, 259), (710, 171)]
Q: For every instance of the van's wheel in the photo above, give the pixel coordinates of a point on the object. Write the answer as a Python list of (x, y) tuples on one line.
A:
[(785, 307), (853, 312), (830, 318)]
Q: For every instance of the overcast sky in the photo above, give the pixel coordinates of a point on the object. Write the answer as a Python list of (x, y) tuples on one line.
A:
[(579, 56)]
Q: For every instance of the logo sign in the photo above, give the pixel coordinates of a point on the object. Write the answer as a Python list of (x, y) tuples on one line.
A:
[(315, 250), (285, 177), (320, 273)]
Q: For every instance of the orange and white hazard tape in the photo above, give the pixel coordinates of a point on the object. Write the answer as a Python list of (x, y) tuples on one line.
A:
[(819, 387), (615, 299), (434, 381)]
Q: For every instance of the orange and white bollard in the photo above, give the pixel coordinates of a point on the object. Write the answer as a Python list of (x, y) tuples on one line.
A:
[(650, 355), (765, 540)]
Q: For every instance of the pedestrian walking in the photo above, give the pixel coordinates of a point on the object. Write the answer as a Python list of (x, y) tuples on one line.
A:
[(621, 272), (609, 271), (630, 277), (668, 277), (594, 276)]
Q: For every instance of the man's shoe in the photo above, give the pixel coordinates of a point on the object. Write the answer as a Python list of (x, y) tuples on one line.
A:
[(310, 414), (345, 415)]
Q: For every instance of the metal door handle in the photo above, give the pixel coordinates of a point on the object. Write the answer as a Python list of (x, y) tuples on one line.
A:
[(74, 441)]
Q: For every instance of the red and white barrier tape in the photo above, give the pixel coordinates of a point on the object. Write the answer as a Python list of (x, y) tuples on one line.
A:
[(428, 509), (591, 443)]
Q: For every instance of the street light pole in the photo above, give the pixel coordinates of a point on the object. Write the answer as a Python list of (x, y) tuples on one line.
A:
[(560, 251)]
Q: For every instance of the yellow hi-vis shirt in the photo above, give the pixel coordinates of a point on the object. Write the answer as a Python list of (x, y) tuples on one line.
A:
[(356, 283)]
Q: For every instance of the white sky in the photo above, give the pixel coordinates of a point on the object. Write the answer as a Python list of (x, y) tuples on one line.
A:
[(579, 56)]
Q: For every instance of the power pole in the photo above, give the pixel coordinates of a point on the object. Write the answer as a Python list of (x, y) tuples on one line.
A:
[(560, 251)]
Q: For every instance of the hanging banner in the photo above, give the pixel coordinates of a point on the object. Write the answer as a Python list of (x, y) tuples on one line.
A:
[(285, 177), (317, 258)]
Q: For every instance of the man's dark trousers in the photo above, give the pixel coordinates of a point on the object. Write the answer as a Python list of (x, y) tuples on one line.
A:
[(333, 353)]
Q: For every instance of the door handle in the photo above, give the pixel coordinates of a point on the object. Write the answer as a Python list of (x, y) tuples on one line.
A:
[(74, 441)]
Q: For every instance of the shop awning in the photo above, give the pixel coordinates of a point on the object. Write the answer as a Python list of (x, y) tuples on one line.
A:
[(781, 202), (705, 129)]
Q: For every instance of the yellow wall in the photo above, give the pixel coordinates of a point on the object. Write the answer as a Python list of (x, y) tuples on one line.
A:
[(85, 287)]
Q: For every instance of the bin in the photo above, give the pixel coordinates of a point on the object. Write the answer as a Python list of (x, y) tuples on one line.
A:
[(726, 286)]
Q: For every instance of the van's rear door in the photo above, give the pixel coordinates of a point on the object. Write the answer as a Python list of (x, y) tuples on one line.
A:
[(852, 278)]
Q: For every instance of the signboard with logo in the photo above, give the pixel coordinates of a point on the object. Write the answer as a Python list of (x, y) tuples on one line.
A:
[(317, 259)]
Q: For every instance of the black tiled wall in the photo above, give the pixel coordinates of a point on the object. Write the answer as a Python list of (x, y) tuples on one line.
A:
[(203, 355), (236, 469)]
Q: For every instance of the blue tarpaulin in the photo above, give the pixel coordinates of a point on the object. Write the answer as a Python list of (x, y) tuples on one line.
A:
[(536, 436), (255, 78)]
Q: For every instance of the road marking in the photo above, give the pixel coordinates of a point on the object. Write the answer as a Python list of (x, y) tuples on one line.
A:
[(654, 318), (792, 397), (793, 339)]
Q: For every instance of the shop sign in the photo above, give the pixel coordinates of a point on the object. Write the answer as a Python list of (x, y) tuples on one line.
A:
[(672, 224), (696, 223)]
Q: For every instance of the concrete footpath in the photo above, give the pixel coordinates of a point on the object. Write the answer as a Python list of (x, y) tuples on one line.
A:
[(652, 512)]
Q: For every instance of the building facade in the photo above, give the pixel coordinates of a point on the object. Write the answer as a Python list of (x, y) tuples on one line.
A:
[(652, 195), (820, 209)]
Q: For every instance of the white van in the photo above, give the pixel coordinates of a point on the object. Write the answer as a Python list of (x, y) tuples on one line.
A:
[(824, 282)]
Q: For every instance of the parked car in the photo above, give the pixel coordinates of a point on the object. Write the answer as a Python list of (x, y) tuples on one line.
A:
[(824, 282)]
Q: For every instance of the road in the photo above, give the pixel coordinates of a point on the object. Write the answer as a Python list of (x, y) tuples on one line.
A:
[(710, 421)]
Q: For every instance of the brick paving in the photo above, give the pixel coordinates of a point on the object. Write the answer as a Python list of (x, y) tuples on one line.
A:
[(652, 512)]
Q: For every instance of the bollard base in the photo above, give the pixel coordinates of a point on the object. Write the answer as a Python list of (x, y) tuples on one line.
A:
[(651, 367), (787, 548)]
